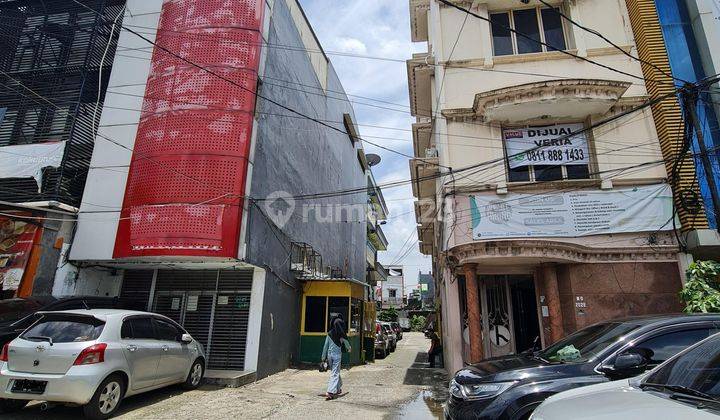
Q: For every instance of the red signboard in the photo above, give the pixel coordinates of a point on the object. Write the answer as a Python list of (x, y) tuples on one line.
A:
[(16, 241), (187, 176)]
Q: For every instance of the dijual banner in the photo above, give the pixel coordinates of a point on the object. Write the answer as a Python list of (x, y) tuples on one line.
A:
[(16, 242), (572, 214), (547, 145)]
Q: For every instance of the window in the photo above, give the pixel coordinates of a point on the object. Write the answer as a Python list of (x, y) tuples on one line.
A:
[(65, 329), (547, 153), (663, 347), (392, 293), (539, 24), (338, 305), (315, 314), (355, 314), (165, 331), (138, 328), (698, 369)]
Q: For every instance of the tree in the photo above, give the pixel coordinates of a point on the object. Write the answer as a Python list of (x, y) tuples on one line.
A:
[(388, 315), (417, 323), (702, 289)]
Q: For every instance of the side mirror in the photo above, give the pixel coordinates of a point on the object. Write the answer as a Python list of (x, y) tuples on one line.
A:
[(626, 364), (186, 338)]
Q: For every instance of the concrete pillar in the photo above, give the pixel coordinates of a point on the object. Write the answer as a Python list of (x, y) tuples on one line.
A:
[(552, 301), (472, 296)]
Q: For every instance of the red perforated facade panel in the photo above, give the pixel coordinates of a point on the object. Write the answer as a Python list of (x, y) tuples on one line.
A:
[(189, 165)]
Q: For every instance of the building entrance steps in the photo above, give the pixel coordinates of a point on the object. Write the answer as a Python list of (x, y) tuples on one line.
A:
[(229, 378)]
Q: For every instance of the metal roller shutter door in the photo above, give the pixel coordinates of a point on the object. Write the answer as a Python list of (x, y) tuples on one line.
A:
[(229, 334), (136, 286)]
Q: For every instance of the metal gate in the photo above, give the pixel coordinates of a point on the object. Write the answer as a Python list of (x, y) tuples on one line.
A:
[(213, 306)]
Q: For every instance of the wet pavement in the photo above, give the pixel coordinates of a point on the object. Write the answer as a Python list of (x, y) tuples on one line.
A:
[(401, 386)]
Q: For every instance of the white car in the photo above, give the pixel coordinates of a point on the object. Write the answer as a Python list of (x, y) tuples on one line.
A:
[(95, 358), (687, 387)]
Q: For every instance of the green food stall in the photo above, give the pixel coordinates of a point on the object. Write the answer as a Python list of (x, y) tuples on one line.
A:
[(321, 299)]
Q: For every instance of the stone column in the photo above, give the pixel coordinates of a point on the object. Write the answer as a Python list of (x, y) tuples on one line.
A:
[(552, 301), (472, 297)]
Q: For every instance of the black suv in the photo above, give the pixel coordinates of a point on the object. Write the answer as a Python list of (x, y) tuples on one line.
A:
[(19, 313), (511, 387)]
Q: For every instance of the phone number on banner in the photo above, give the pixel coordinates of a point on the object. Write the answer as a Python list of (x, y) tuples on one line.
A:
[(555, 155)]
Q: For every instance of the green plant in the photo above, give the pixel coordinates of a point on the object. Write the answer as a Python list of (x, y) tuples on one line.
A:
[(417, 323), (702, 290), (388, 315)]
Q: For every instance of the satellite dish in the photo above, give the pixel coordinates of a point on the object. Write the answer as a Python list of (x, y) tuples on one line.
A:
[(373, 159)]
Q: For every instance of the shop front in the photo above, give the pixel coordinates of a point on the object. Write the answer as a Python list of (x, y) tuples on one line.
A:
[(321, 301)]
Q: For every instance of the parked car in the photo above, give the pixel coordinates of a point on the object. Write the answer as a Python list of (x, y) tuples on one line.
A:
[(382, 342), (17, 314), (513, 386), (392, 338), (95, 358), (397, 329), (684, 387), (404, 323)]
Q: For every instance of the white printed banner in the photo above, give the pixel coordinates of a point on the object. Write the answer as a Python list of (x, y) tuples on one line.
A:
[(549, 145), (572, 214), (28, 160)]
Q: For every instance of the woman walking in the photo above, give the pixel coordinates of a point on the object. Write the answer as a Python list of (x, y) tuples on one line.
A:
[(332, 352)]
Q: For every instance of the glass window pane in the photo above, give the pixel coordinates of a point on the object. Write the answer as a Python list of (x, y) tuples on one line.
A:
[(578, 172), (315, 313), (519, 174), (502, 42), (526, 23), (665, 346), (552, 25), (65, 330), (338, 305), (547, 173), (142, 328), (165, 331)]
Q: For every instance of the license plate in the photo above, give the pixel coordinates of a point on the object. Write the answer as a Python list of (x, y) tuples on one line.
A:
[(27, 386)]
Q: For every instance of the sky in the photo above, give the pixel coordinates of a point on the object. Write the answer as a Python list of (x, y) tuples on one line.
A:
[(377, 28)]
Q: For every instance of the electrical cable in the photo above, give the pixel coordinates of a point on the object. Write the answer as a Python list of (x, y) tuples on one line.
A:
[(606, 39), (530, 38)]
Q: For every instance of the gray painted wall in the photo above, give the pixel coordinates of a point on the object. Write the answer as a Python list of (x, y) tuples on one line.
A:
[(299, 156)]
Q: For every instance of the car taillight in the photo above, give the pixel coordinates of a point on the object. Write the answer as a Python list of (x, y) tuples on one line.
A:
[(91, 355), (4, 353), (377, 328)]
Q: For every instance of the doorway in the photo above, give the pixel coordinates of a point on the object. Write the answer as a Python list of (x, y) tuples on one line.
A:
[(509, 314)]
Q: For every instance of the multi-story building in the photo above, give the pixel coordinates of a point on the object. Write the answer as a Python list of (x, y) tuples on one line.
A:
[(556, 212), (55, 61), (391, 293), (202, 197), (427, 290), (376, 217), (690, 30)]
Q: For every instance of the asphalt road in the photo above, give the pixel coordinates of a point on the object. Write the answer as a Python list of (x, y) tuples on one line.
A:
[(398, 387)]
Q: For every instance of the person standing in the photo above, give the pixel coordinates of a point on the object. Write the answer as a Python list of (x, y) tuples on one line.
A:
[(332, 352), (436, 347)]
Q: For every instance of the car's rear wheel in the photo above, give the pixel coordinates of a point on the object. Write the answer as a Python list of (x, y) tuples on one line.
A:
[(106, 400), (195, 376), (9, 406)]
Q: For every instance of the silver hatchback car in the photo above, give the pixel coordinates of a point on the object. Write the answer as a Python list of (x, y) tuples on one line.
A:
[(95, 358)]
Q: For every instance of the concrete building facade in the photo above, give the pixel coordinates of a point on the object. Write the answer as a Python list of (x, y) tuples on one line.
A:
[(203, 206), (540, 177)]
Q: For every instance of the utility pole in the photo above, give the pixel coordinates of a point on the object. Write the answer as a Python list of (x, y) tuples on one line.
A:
[(691, 100)]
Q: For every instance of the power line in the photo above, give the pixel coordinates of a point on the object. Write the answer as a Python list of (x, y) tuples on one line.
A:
[(606, 39), (530, 38), (256, 93)]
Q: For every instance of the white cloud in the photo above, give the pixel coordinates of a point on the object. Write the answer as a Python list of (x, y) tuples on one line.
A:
[(350, 45), (379, 28)]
